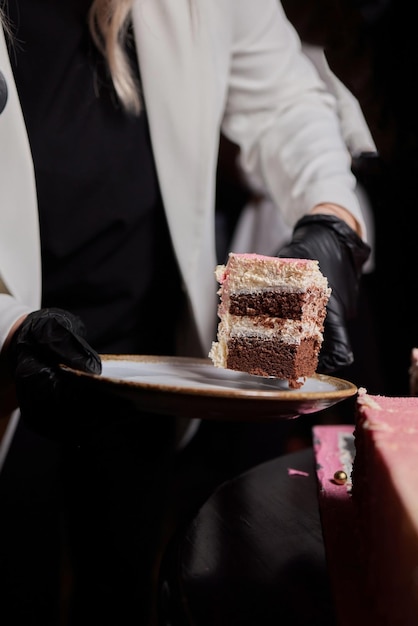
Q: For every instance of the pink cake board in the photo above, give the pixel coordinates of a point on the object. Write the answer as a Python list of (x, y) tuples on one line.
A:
[(334, 450)]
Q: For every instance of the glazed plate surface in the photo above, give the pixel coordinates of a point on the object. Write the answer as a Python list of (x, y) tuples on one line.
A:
[(195, 388)]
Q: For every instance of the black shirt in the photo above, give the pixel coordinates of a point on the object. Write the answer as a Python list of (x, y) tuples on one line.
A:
[(106, 252)]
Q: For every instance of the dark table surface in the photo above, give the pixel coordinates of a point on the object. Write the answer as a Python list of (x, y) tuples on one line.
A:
[(253, 555)]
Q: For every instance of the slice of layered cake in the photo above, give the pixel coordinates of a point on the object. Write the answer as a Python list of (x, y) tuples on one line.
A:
[(385, 499), (272, 313)]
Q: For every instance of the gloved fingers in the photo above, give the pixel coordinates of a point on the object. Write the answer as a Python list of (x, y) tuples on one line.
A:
[(359, 249), (54, 344), (336, 352), (52, 336), (48, 401), (341, 254), (29, 367), (324, 242), (66, 319), (337, 232)]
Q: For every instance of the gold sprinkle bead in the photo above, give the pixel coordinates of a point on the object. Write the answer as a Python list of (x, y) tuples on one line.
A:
[(340, 477)]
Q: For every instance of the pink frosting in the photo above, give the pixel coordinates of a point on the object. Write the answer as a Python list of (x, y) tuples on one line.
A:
[(338, 526), (330, 458), (388, 414)]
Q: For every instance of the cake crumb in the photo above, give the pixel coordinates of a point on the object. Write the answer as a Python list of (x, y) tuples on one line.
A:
[(296, 472)]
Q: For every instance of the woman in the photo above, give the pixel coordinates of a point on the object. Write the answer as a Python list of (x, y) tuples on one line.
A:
[(109, 142)]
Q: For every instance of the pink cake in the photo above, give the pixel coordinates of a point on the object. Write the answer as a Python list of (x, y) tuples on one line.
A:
[(385, 500), (334, 454), (271, 312)]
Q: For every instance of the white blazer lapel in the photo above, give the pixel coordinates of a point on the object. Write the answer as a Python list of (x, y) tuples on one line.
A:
[(20, 260), (175, 72)]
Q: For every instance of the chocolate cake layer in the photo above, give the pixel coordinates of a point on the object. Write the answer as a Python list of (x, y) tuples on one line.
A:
[(273, 358), (289, 305)]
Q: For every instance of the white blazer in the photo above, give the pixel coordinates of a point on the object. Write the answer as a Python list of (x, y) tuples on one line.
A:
[(206, 65), (261, 227)]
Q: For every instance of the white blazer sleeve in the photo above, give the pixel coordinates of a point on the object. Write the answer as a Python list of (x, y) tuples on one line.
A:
[(283, 118)]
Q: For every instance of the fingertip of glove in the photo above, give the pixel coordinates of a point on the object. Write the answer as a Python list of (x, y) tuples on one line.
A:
[(329, 364), (95, 364)]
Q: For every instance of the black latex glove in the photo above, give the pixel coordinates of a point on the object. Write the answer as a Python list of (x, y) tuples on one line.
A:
[(341, 254), (49, 403)]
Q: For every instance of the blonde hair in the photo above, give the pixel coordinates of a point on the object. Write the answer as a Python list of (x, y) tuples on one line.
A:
[(4, 22), (109, 21)]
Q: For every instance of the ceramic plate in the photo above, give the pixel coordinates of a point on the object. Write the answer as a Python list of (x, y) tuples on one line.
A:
[(194, 388)]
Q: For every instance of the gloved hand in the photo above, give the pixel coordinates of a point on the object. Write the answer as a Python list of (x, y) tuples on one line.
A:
[(341, 254), (49, 403)]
